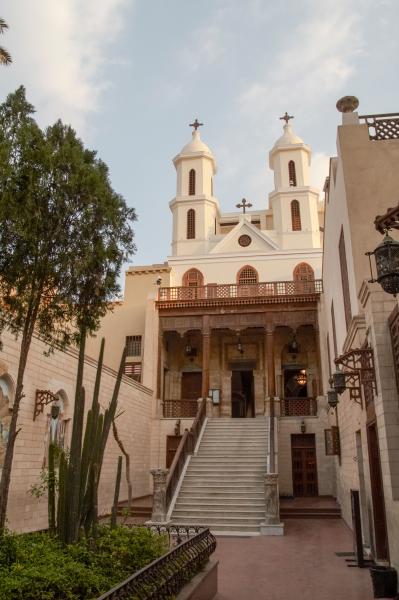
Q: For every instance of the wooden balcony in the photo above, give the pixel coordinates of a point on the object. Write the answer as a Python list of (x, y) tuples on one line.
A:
[(298, 407), (230, 293)]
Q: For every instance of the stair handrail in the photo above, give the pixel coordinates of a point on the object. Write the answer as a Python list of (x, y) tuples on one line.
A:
[(185, 448)]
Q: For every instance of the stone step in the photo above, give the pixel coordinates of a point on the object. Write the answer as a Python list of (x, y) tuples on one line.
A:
[(211, 520), (228, 460), (221, 515), (224, 489), (216, 505), (221, 497), (223, 478), (194, 470)]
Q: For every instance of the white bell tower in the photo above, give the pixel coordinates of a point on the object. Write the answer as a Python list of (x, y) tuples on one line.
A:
[(293, 201), (195, 210)]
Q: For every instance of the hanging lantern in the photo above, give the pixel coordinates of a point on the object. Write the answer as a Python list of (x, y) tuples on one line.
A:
[(387, 263), (301, 378), (293, 346), (239, 346), (339, 381), (332, 398)]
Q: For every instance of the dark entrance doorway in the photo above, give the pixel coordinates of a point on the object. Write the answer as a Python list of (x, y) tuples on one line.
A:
[(172, 444), (377, 493), (242, 394), (191, 385), (304, 465)]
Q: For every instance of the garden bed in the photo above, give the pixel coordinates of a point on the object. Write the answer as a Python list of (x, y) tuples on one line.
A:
[(36, 566)]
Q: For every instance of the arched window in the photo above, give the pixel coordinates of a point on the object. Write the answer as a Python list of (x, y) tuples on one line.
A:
[(247, 276), (193, 278), (304, 276), (295, 216), (292, 173), (191, 224), (191, 183)]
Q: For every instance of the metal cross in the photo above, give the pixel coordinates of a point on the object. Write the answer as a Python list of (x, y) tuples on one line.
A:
[(196, 124), (244, 204), (286, 117)]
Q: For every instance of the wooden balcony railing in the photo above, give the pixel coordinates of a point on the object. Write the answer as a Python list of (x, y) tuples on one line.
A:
[(298, 407), (180, 409), (233, 291), (186, 447)]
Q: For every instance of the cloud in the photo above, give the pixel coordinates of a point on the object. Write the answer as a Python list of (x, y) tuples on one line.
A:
[(60, 51), (317, 57), (206, 47)]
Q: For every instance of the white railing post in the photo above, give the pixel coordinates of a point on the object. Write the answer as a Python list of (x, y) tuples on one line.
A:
[(272, 524), (159, 508)]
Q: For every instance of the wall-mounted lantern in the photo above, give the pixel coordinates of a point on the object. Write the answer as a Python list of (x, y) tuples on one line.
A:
[(387, 263), (339, 381), (303, 427), (240, 348), (332, 399)]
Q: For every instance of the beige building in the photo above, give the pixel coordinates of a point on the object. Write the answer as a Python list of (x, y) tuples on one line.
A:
[(363, 181)]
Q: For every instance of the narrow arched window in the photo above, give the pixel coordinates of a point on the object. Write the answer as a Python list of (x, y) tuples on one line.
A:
[(304, 278), (191, 183), (247, 276), (295, 216), (193, 278), (191, 224), (292, 173)]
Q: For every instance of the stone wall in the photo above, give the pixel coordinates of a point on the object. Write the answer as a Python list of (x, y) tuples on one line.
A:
[(57, 373)]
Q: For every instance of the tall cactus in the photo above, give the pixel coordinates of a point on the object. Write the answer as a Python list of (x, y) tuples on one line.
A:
[(116, 493), (79, 474)]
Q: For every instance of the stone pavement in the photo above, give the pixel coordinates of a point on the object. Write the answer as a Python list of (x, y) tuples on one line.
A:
[(302, 565)]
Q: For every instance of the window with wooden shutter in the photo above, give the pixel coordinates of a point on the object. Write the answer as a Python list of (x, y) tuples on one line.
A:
[(133, 370), (191, 183), (394, 330), (193, 278), (191, 224), (345, 279), (292, 173), (247, 276), (304, 273), (295, 216)]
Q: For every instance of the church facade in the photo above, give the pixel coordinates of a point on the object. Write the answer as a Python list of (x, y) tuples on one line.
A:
[(233, 314)]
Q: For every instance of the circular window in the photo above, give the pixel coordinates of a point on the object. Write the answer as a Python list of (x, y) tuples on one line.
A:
[(244, 240)]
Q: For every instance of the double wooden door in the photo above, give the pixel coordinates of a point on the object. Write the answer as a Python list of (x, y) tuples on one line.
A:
[(304, 465)]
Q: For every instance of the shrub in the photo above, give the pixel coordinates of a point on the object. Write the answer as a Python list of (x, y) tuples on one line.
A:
[(37, 567)]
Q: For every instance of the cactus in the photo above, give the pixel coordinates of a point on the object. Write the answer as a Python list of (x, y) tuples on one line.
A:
[(116, 494), (79, 474), (51, 488)]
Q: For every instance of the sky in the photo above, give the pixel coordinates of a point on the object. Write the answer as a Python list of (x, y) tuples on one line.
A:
[(130, 75)]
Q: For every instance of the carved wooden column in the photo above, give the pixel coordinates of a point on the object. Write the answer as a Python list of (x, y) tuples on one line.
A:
[(206, 355), (318, 361), (159, 364), (271, 371), (159, 507)]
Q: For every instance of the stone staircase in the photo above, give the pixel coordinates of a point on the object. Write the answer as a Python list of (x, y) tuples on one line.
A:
[(223, 487)]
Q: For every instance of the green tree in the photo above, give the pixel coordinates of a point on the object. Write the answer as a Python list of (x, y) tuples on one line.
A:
[(5, 57), (64, 235)]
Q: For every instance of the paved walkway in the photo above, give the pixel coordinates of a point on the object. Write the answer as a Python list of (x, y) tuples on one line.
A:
[(302, 565)]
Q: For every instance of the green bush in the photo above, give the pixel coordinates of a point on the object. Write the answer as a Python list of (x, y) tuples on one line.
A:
[(37, 567)]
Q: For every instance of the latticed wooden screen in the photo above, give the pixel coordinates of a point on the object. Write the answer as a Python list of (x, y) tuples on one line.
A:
[(345, 279), (191, 224), (394, 329), (193, 278), (191, 183), (133, 370), (292, 173), (247, 276), (296, 216), (304, 273)]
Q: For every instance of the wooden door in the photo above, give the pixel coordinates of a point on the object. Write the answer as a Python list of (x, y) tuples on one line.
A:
[(304, 465), (172, 444), (191, 385), (377, 494)]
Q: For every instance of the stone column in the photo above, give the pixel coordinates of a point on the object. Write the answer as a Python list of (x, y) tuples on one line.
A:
[(206, 355), (271, 372), (159, 508), (318, 362), (272, 524)]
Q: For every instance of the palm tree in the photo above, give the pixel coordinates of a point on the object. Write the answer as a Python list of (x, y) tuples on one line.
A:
[(5, 57)]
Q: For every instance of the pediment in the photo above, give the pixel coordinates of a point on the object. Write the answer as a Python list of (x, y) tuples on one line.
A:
[(235, 241)]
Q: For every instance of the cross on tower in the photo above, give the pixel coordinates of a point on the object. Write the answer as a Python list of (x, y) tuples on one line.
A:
[(286, 117), (244, 204), (196, 124)]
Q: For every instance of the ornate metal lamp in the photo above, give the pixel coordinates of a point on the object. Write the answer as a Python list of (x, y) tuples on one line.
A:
[(339, 381), (239, 346), (387, 263), (332, 399), (293, 346), (301, 378)]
